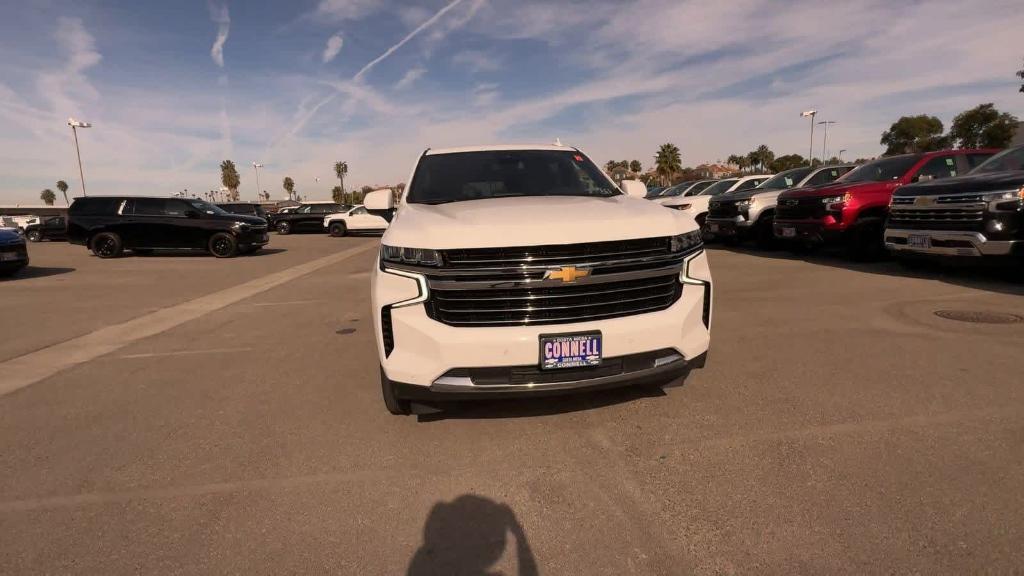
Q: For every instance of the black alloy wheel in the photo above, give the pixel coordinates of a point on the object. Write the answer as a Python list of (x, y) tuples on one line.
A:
[(107, 245), (223, 245), (284, 228), (338, 229)]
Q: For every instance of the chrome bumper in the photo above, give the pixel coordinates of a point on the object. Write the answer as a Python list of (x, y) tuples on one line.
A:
[(950, 243)]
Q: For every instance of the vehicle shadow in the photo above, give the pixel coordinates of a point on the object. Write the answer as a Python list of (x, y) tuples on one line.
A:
[(468, 536), (1005, 280), (542, 405), (199, 253), (37, 272)]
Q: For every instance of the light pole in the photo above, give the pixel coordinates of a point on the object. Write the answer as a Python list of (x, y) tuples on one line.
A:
[(824, 143), (841, 155), (256, 166), (75, 125), (810, 151)]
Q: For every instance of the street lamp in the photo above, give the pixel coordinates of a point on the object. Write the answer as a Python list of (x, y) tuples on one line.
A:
[(256, 166), (810, 151), (75, 125), (841, 155), (824, 143)]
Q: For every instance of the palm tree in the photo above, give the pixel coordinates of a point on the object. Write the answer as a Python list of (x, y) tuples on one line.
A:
[(341, 169), (764, 156), (63, 187), (635, 167), (48, 197), (230, 178), (289, 186), (743, 163), (668, 162)]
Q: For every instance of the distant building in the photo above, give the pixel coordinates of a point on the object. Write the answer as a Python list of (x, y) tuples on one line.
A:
[(713, 170)]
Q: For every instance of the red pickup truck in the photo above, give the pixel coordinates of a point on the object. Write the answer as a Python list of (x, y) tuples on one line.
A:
[(852, 210)]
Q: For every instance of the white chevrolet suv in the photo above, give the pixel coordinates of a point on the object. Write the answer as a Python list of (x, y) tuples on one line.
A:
[(524, 270)]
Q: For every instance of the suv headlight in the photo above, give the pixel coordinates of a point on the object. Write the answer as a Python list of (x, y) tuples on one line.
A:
[(832, 200), (242, 227), (684, 242), (1007, 195), (414, 256), (681, 207), (742, 204)]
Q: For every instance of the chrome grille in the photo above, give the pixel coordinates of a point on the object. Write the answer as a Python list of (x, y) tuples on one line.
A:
[(507, 286), (722, 209), (961, 212), (800, 208)]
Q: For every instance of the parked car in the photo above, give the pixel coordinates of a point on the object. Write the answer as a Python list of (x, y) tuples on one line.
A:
[(13, 252), (691, 188), (750, 214), (980, 215), (52, 228), (697, 205), (585, 287), (852, 211), (246, 208), (653, 192), (108, 225), (308, 217), (357, 220)]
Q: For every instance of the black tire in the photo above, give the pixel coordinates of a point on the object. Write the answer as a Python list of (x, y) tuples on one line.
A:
[(107, 245), (34, 236), (283, 228), (338, 229), (865, 240), (764, 235), (223, 245), (394, 404)]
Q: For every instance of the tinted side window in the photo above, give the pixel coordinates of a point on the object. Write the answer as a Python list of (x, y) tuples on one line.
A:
[(95, 206), (748, 185), (824, 177), (941, 167), (974, 160), (159, 207)]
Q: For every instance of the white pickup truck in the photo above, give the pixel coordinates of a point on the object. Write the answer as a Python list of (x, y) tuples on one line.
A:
[(524, 270)]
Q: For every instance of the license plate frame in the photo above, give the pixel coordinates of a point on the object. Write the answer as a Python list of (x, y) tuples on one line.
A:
[(922, 241), (589, 350), (789, 232), (10, 257)]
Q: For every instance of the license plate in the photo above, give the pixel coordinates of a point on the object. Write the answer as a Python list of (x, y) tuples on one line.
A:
[(712, 227), (919, 241), (570, 350), (8, 256), (265, 237), (789, 232)]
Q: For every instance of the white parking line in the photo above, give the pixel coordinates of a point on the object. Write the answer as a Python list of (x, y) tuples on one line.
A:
[(30, 368), (184, 353), (288, 303)]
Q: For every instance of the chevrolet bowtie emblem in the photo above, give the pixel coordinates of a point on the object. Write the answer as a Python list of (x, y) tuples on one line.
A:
[(566, 274), (924, 201)]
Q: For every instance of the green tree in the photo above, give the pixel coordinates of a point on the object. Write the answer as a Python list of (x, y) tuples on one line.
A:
[(983, 127), (289, 186), (230, 178), (338, 195), (341, 170), (786, 162), (909, 134), (63, 187), (635, 167), (668, 162), (762, 157), (48, 197)]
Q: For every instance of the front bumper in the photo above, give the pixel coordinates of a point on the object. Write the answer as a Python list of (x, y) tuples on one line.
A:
[(253, 238), (735, 226), (426, 353), (810, 231), (951, 243)]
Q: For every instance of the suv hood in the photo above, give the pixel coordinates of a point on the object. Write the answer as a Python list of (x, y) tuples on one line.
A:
[(838, 189), (988, 182), (251, 220), (532, 221)]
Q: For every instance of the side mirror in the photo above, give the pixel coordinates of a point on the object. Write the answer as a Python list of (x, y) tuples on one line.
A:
[(380, 203), (634, 188), (191, 214)]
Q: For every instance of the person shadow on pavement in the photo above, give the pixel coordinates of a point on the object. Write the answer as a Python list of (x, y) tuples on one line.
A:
[(467, 536)]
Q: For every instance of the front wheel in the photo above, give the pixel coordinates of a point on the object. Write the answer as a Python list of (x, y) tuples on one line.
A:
[(107, 245), (764, 236), (338, 229), (223, 245), (284, 228), (865, 240), (394, 404), (34, 236)]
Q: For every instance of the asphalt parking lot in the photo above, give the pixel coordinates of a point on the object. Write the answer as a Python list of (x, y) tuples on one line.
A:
[(182, 414)]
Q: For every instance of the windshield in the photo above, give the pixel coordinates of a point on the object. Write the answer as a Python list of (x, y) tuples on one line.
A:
[(465, 176), (675, 190), (1009, 159), (786, 179), (206, 207), (882, 170), (718, 187)]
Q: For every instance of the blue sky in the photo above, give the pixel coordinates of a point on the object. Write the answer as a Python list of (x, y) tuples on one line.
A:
[(173, 88)]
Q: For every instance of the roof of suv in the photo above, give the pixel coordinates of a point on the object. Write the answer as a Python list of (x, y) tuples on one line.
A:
[(499, 148)]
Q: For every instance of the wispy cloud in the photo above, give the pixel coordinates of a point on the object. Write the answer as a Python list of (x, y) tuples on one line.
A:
[(411, 75), (219, 15), (476, 61), (486, 93), (340, 10), (333, 47), (79, 47), (416, 32)]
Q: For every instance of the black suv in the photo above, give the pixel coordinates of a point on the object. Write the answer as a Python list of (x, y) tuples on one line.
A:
[(305, 218), (108, 225), (52, 228), (246, 208)]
